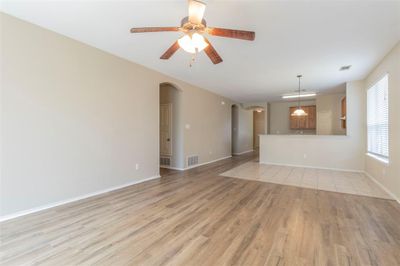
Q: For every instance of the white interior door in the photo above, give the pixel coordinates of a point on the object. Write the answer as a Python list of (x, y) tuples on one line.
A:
[(165, 129)]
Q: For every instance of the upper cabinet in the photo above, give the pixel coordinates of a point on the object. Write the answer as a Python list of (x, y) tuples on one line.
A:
[(343, 117), (303, 122)]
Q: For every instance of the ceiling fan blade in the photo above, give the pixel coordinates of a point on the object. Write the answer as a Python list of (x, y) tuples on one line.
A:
[(171, 50), (196, 11), (153, 29), (236, 34), (212, 53)]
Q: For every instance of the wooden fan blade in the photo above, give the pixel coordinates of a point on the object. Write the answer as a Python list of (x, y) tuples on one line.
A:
[(212, 53), (171, 50), (153, 29), (236, 34), (196, 11)]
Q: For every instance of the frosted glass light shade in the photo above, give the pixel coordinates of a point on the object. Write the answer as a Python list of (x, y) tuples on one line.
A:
[(196, 11), (190, 44), (199, 42), (299, 112)]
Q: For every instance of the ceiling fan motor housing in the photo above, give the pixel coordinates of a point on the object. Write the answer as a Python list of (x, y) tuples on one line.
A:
[(186, 25)]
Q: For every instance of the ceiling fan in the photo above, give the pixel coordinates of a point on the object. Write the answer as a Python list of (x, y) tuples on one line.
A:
[(194, 27)]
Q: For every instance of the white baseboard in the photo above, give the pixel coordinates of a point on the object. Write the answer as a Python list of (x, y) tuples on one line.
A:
[(172, 168), (243, 152), (197, 165), (194, 166), (62, 202), (316, 167), (213, 161), (382, 187)]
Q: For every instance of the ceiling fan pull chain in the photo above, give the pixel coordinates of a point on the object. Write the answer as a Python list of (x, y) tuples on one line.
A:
[(193, 58)]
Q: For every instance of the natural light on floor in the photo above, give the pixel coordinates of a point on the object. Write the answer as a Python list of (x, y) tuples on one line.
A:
[(321, 179)]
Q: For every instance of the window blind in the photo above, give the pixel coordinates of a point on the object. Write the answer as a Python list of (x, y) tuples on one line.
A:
[(378, 118)]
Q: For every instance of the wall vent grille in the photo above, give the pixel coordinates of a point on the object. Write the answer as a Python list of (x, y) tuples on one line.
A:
[(165, 161), (192, 160)]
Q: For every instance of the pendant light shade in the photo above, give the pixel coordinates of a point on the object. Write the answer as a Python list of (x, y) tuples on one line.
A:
[(299, 111)]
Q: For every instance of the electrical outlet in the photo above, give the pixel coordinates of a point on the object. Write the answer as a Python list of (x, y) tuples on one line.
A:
[(137, 166), (304, 156)]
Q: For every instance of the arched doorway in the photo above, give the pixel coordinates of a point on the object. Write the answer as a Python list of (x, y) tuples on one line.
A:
[(171, 129)]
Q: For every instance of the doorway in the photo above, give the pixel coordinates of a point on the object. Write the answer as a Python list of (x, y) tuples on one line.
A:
[(165, 129), (258, 127), (171, 129), (235, 129)]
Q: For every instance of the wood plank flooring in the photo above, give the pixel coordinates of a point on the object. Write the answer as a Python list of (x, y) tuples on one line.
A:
[(197, 217)]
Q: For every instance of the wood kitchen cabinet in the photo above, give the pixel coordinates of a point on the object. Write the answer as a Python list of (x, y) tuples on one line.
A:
[(343, 117), (303, 122)]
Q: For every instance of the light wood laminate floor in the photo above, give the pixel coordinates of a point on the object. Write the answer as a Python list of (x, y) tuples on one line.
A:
[(198, 217)]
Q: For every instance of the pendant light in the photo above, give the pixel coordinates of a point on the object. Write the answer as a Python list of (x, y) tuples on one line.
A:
[(299, 111)]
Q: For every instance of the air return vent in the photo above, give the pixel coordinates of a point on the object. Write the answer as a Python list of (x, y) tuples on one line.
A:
[(165, 161), (192, 160), (343, 68)]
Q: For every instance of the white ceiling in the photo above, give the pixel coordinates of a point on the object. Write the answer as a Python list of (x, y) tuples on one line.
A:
[(314, 38)]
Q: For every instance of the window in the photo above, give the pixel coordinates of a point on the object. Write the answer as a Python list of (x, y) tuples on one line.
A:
[(378, 119)]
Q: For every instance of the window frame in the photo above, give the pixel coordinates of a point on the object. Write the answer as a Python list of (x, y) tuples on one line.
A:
[(377, 156)]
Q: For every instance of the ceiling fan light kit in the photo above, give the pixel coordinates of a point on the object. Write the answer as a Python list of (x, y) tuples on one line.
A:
[(194, 27), (192, 43)]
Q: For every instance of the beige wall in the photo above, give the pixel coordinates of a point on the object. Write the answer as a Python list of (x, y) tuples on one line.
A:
[(207, 123), (245, 130), (280, 118), (338, 152), (258, 127), (76, 120), (242, 130), (263, 105), (329, 112), (388, 174)]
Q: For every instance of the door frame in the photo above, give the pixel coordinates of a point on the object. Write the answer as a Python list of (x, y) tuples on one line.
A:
[(170, 128)]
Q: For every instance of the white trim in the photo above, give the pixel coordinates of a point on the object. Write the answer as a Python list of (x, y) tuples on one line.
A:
[(369, 86), (316, 167), (382, 187), (213, 161), (194, 166), (172, 168), (240, 153), (378, 158), (62, 202), (197, 165)]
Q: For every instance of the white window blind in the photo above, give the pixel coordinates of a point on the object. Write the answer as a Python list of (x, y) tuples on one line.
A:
[(378, 118)]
